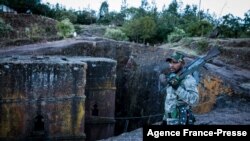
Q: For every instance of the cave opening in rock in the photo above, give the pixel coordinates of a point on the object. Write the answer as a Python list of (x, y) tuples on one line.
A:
[(39, 123), (95, 110)]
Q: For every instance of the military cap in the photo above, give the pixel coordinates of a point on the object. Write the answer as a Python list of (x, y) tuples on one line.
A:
[(176, 56)]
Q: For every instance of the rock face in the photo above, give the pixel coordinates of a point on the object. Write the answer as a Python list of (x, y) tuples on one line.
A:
[(138, 100), (42, 98), (128, 84), (100, 99), (48, 95)]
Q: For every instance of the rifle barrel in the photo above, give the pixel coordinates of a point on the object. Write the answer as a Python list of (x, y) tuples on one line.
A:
[(198, 63)]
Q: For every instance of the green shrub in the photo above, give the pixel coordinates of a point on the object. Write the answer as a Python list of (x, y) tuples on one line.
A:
[(50, 30), (65, 28), (199, 28), (176, 35), (202, 46), (34, 31), (5, 29), (78, 28), (140, 29), (115, 34), (27, 32)]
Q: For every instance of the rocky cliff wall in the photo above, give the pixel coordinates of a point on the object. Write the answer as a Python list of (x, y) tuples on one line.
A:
[(138, 67)]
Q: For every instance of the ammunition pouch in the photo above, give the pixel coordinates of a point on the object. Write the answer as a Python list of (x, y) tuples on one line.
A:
[(182, 115)]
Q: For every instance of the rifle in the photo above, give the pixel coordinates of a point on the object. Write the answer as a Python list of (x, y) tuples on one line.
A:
[(199, 62)]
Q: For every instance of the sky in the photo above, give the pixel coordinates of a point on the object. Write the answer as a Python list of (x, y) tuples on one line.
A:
[(217, 7)]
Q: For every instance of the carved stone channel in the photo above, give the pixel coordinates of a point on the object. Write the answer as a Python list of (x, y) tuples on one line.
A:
[(43, 97)]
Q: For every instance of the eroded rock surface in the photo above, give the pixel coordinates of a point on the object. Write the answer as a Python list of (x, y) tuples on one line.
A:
[(138, 67)]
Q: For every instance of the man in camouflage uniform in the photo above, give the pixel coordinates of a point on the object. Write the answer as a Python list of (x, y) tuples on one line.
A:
[(181, 95)]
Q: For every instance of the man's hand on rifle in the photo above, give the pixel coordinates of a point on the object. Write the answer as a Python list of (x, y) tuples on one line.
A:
[(173, 80)]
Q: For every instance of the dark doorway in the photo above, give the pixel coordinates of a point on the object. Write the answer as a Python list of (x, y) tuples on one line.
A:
[(39, 123), (95, 110)]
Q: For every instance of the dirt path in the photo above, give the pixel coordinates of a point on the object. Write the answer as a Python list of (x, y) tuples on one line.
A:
[(12, 50)]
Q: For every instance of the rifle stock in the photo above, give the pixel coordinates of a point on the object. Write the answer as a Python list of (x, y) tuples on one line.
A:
[(212, 53)]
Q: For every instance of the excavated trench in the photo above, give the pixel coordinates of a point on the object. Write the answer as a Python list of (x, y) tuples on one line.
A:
[(224, 88)]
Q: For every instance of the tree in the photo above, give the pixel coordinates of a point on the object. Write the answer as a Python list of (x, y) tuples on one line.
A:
[(66, 14), (154, 7), (42, 9), (231, 26), (247, 19), (86, 17), (116, 18), (21, 6), (173, 8), (104, 17), (189, 16), (164, 28), (148, 27), (133, 13), (144, 5), (246, 26), (190, 13), (167, 21), (141, 28), (104, 9), (132, 29), (60, 13), (171, 14), (124, 5), (5, 2), (199, 28)]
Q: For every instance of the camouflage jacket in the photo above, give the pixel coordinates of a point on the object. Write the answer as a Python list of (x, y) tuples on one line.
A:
[(185, 95)]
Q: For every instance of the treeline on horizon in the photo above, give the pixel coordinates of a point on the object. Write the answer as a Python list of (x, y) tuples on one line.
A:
[(145, 24)]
